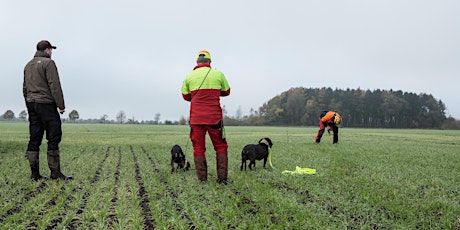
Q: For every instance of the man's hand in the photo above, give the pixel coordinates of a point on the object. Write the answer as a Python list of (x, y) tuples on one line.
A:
[(61, 111)]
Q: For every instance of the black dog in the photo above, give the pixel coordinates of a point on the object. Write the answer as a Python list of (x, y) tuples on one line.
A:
[(178, 157), (255, 152)]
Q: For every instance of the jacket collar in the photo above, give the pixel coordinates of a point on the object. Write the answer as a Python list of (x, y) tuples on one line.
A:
[(202, 65), (41, 53)]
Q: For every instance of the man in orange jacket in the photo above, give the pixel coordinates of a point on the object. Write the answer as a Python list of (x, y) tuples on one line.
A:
[(203, 88), (331, 119)]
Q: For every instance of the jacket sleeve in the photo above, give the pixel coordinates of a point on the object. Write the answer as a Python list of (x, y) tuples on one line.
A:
[(54, 84), (24, 89), (328, 117), (186, 94), (225, 90)]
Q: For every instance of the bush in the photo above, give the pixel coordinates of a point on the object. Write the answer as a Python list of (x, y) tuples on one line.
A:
[(451, 124)]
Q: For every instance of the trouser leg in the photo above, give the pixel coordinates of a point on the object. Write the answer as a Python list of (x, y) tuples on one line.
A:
[(217, 135), (319, 135), (197, 136), (52, 124), (335, 130), (322, 127), (36, 128)]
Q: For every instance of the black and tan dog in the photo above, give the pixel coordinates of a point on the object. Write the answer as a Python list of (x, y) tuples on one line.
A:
[(253, 152), (178, 157)]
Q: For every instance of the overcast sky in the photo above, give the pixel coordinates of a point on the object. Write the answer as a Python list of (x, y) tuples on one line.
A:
[(133, 55)]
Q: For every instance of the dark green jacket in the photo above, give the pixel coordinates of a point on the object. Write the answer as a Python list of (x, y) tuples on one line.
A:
[(41, 81)]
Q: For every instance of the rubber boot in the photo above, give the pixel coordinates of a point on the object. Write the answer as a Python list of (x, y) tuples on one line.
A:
[(34, 163), (222, 168), (54, 164), (201, 168)]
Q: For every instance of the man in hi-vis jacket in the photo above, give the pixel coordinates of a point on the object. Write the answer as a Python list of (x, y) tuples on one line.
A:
[(203, 87), (331, 119)]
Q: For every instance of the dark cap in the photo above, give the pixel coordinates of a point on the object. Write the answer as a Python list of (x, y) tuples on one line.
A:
[(44, 44)]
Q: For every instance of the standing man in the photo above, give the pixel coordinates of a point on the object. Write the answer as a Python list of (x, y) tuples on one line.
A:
[(43, 95), (331, 119), (203, 87)]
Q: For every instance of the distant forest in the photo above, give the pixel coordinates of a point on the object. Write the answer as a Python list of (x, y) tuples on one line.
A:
[(359, 108), (302, 107)]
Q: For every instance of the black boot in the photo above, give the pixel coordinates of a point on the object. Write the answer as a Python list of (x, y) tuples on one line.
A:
[(34, 163), (54, 164)]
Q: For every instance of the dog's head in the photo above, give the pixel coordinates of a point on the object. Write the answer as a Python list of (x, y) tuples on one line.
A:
[(266, 141), (176, 152)]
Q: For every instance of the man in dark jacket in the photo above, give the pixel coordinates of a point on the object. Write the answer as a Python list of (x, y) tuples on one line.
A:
[(43, 96)]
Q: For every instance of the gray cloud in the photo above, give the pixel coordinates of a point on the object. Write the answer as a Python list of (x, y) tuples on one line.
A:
[(133, 56)]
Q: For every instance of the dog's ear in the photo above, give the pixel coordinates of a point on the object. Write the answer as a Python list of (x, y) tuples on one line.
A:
[(269, 141), (266, 141)]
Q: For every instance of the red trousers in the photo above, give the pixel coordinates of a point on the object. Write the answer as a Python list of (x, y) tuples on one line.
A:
[(198, 138)]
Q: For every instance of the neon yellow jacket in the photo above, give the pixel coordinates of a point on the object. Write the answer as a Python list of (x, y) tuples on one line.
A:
[(203, 87)]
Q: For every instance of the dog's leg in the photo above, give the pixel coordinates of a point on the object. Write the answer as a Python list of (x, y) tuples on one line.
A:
[(172, 166), (244, 158), (183, 164), (253, 163), (265, 162)]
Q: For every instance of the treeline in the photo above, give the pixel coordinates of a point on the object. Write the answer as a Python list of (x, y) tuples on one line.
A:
[(359, 108), (302, 107)]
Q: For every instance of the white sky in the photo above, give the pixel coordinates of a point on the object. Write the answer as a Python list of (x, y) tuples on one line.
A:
[(134, 55)]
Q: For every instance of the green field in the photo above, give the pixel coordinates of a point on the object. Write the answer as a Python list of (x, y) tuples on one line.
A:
[(372, 179)]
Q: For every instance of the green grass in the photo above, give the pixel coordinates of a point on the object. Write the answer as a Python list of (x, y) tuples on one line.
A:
[(374, 178)]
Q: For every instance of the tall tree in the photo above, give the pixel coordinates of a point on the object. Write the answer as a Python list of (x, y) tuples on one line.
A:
[(182, 121), (238, 114), (121, 117), (23, 115), (157, 118), (8, 115), (104, 117), (295, 106), (74, 115)]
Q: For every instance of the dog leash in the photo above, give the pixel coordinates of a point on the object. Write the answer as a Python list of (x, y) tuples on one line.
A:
[(269, 151), (300, 171), (270, 157)]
